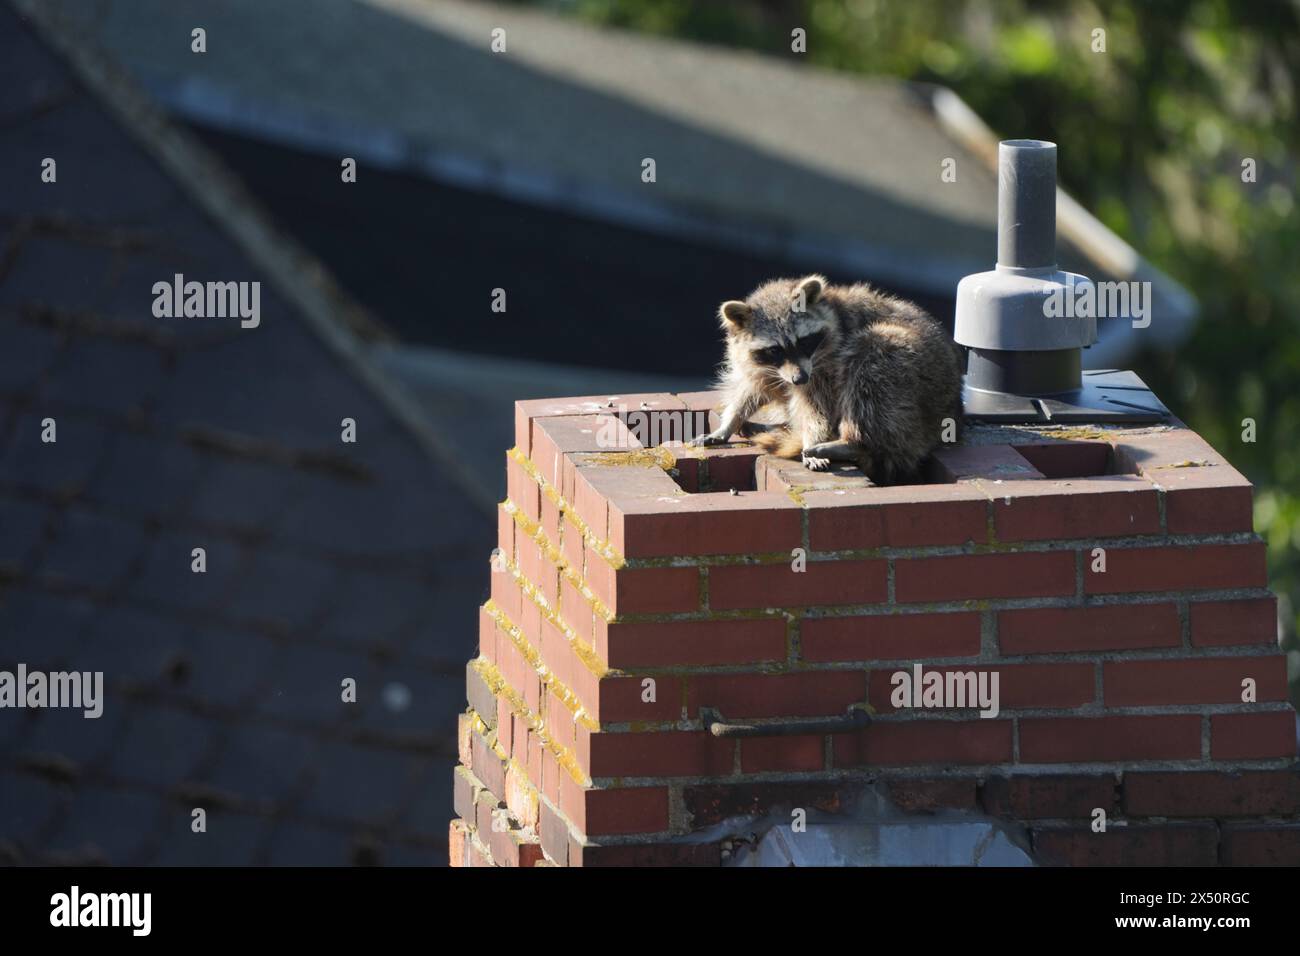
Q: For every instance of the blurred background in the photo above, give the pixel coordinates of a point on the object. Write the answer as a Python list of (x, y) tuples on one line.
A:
[(610, 170)]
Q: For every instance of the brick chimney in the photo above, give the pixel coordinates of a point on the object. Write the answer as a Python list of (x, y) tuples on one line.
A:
[(681, 642)]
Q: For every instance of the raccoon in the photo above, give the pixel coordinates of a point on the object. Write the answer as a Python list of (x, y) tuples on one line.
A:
[(864, 377)]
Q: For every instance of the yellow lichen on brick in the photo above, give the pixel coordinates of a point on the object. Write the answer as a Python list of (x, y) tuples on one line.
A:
[(519, 707), (659, 456), (535, 661), (537, 534), (601, 546)]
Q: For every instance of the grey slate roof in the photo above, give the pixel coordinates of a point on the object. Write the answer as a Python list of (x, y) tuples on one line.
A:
[(324, 560), (752, 152)]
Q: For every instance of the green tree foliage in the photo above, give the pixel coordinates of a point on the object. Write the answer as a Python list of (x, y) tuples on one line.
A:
[(1157, 128)]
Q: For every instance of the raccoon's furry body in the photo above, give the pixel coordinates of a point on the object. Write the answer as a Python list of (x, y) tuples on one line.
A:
[(863, 376)]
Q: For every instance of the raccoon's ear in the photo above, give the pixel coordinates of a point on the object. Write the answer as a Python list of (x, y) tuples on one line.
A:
[(811, 287), (735, 314)]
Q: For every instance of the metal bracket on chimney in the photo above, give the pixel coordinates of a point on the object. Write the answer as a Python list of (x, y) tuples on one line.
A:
[(717, 725)]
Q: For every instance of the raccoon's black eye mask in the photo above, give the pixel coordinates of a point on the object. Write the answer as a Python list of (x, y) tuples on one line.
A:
[(809, 343), (772, 355)]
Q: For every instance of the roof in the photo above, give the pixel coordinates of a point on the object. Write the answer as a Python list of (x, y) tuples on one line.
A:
[(325, 560), (751, 151)]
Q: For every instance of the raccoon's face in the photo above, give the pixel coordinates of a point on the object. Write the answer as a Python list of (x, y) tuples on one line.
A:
[(780, 331)]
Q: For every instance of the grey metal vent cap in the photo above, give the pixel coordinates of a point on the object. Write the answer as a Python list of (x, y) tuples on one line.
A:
[(1006, 309)]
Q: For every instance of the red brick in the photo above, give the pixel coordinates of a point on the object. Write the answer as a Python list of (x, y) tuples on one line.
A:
[(576, 610), (900, 743), (731, 468), (1261, 844), (487, 766), (556, 438), (1177, 844), (533, 758), (551, 519), (535, 567), (504, 723), (779, 585), (487, 633), (1101, 507), (1225, 623), (800, 694), (1207, 680), (643, 854), (518, 741), (976, 576), (690, 643), (479, 855), (601, 812), (1154, 453), (720, 523), (566, 664), (1213, 793), (521, 795), (465, 739), (551, 774), (762, 754), (549, 581), (465, 788), (1253, 736), (686, 472), (508, 660), (573, 546), (486, 806), (1209, 500), (522, 849), (594, 485), (651, 590), (714, 802), (890, 637), (1053, 796), (657, 425), (528, 411), (930, 794), (1086, 739), (1020, 686), (553, 830), (960, 462), (517, 672), (458, 843), (621, 700), (505, 536), (1176, 568), (1052, 630), (522, 490), (1068, 459), (507, 596), (665, 753), (478, 693), (710, 401), (901, 517)]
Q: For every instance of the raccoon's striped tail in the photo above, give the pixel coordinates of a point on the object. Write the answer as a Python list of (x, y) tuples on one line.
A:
[(780, 442)]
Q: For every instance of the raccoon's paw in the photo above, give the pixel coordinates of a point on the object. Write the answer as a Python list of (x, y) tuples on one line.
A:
[(705, 441), (816, 464)]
